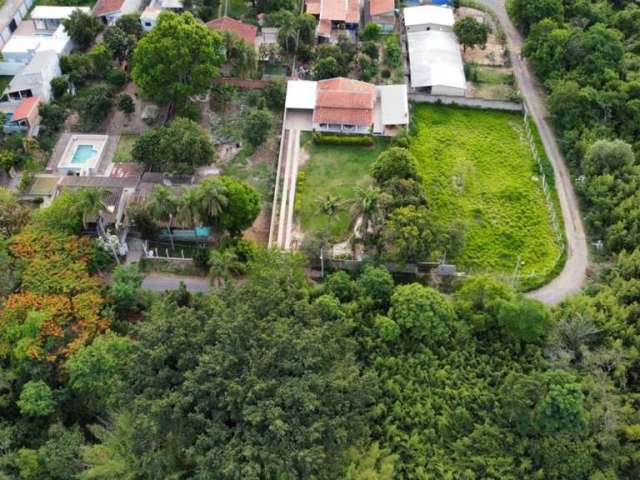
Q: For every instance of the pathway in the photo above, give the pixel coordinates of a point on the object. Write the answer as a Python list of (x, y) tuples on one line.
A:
[(280, 234), (161, 282), (573, 274)]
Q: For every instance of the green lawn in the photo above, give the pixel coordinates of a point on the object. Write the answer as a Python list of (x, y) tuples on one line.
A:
[(256, 174), (477, 167), (123, 150), (337, 171)]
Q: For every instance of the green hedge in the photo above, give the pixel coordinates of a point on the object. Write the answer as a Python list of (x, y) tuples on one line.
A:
[(333, 139)]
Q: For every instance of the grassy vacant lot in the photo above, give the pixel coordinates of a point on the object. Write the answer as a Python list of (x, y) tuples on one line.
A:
[(123, 150), (477, 167), (334, 170), (493, 83)]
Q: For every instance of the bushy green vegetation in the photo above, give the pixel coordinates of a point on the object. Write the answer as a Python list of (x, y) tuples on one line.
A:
[(477, 167), (335, 171), (587, 58)]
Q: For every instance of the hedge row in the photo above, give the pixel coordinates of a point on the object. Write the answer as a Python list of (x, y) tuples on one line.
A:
[(331, 139)]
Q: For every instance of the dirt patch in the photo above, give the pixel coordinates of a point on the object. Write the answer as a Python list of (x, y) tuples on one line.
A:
[(259, 231), (303, 156), (494, 54), (119, 123)]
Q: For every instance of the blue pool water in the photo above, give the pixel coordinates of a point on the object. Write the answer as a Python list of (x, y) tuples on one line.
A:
[(83, 154)]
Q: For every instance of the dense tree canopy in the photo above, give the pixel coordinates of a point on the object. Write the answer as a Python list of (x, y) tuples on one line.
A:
[(177, 59), (179, 147)]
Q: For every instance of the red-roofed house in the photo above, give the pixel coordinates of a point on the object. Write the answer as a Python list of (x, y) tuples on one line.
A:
[(110, 10), (243, 30), (334, 15), (24, 118), (382, 13), (343, 105)]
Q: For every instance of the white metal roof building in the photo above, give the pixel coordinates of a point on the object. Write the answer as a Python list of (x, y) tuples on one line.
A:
[(54, 12), (394, 104), (301, 95), (428, 17), (435, 62)]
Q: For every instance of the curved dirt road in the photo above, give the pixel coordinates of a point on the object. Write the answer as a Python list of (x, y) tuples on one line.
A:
[(573, 274)]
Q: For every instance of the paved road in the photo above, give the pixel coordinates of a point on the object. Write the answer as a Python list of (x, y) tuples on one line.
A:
[(573, 274), (161, 282)]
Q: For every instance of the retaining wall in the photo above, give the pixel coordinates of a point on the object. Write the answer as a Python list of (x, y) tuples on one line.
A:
[(467, 102)]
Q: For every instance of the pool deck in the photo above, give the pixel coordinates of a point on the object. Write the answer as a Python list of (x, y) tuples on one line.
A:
[(103, 166)]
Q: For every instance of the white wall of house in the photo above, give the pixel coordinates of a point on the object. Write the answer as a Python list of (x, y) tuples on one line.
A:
[(340, 128)]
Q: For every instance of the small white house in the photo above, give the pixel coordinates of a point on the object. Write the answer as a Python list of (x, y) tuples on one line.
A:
[(11, 15), (428, 17), (22, 48), (149, 16), (35, 78), (110, 10)]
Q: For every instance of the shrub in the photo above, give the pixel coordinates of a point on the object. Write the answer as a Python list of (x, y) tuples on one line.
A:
[(59, 87), (371, 32), (335, 139), (371, 49), (258, 124), (117, 78), (125, 104)]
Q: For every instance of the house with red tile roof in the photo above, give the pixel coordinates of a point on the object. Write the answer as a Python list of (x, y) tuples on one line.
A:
[(110, 10), (25, 118), (244, 31), (343, 105), (334, 15), (383, 14)]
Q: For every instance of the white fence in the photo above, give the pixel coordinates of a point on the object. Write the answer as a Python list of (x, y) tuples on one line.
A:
[(545, 185)]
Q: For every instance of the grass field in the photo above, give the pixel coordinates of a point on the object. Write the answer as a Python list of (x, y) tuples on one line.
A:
[(337, 171), (123, 149), (477, 167)]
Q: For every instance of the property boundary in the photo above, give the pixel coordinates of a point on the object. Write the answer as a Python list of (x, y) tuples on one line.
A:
[(467, 102)]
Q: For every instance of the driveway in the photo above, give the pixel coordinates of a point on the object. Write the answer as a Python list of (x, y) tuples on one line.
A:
[(161, 282), (573, 274)]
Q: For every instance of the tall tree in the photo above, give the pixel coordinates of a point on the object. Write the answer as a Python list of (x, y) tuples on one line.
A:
[(82, 28), (177, 59)]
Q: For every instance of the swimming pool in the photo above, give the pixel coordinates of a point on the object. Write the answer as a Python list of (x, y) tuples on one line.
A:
[(83, 154)]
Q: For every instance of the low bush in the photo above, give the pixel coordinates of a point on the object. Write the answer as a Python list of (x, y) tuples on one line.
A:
[(335, 139)]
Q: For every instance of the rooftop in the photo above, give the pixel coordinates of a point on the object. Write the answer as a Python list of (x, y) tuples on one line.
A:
[(301, 94), (435, 59), (379, 7), (25, 108), (394, 103), (428, 14), (340, 10), (54, 12), (346, 101), (227, 24), (104, 7)]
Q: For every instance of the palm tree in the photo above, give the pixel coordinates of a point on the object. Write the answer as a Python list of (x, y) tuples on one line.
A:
[(187, 207), (223, 264), (330, 206), (91, 203), (212, 198), (364, 209), (163, 205)]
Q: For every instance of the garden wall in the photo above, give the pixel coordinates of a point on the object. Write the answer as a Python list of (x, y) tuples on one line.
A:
[(467, 102)]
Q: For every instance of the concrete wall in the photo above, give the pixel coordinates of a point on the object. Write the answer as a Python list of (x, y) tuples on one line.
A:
[(447, 91), (467, 102), (10, 68)]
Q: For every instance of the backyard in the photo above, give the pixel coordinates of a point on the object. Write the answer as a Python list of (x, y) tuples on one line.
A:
[(477, 167), (336, 171), (123, 150)]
